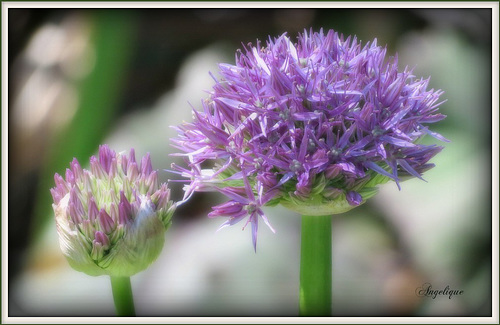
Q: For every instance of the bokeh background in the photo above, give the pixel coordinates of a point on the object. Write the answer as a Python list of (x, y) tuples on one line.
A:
[(79, 78)]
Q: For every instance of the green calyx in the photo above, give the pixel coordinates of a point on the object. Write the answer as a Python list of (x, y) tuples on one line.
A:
[(328, 199), (139, 247), (316, 206), (326, 196), (133, 247)]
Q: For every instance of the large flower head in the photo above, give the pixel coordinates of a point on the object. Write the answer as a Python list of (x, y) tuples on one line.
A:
[(112, 218), (313, 125)]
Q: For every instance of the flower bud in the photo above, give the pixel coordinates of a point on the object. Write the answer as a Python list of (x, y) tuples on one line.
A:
[(112, 219)]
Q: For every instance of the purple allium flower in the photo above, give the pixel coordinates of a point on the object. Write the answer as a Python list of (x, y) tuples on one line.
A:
[(112, 218), (314, 126)]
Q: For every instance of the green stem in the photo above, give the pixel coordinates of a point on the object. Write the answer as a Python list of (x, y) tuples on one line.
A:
[(316, 266), (122, 295)]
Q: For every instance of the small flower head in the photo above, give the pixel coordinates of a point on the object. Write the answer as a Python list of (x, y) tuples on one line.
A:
[(112, 218), (314, 125)]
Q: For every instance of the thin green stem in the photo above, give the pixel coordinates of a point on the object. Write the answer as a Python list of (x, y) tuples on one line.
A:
[(316, 266), (122, 295)]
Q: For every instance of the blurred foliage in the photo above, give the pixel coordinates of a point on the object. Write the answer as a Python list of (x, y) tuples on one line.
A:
[(113, 37)]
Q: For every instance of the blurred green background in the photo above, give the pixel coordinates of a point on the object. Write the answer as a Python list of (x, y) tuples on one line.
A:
[(79, 78)]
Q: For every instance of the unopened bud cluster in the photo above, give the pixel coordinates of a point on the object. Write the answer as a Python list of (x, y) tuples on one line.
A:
[(112, 218)]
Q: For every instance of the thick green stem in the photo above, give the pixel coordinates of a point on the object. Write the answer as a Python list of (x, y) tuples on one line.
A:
[(122, 295), (316, 266)]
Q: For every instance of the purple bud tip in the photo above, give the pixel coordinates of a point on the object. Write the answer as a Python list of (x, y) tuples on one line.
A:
[(124, 214), (97, 168), (332, 171), (75, 207), (131, 156), (146, 167), (55, 195), (112, 167), (133, 170), (76, 168), (113, 212), (93, 211), (101, 238), (124, 201), (70, 177), (75, 214), (106, 222), (106, 155), (161, 197), (354, 198), (74, 197), (230, 208), (60, 190), (124, 164), (61, 183)]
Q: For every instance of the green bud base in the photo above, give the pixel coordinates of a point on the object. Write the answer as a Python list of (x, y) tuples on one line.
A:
[(318, 208)]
